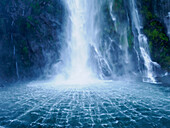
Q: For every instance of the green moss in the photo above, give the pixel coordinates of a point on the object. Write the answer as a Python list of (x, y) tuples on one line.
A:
[(154, 34), (163, 37), (36, 7), (149, 15), (158, 43), (147, 12), (28, 25), (150, 46), (30, 18), (25, 50), (167, 60), (153, 23)]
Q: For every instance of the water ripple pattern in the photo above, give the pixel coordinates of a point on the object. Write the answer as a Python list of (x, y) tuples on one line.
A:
[(118, 105)]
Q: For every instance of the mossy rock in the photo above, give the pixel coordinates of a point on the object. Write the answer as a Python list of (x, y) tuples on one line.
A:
[(159, 43)]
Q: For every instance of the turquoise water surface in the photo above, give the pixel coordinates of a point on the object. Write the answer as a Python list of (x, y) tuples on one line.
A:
[(112, 104)]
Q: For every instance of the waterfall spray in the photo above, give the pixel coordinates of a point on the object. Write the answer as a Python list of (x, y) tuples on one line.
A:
[(93, 53), (80, 35)]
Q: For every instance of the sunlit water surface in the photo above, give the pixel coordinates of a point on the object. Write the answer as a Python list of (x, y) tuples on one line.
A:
[(108, 104)]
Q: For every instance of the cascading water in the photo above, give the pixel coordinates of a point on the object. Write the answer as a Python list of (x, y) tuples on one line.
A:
[(101, 42), (80, 36), (143, 46), (16, 63), (92, 53), (78, 41), (14, 52)]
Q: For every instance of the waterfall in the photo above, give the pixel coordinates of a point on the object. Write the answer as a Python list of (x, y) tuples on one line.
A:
[(78, 41), (17, 73), (14, 53), (16, 63), (93, 53), (143, 45), (112, 16), (80, 36)]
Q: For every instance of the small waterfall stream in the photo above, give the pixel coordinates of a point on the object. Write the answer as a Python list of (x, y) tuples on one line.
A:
[(16, 63), (143, 46), (14, 52)]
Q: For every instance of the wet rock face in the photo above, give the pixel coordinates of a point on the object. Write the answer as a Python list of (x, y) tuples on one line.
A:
[(155, 15), (120, 37), (29, 36), (167, 23)]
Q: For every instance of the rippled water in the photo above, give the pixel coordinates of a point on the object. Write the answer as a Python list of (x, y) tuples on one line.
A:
[(113, 104)]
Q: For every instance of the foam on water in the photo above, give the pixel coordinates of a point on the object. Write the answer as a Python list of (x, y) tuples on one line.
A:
[(114, 104)]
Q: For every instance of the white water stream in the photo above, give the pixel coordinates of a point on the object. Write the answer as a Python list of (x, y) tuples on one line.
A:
[(143, 45), (80, 35)]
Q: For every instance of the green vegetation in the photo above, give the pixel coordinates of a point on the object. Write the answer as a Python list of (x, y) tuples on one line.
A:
[(30, 26), (158, 43), (155, 30)]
